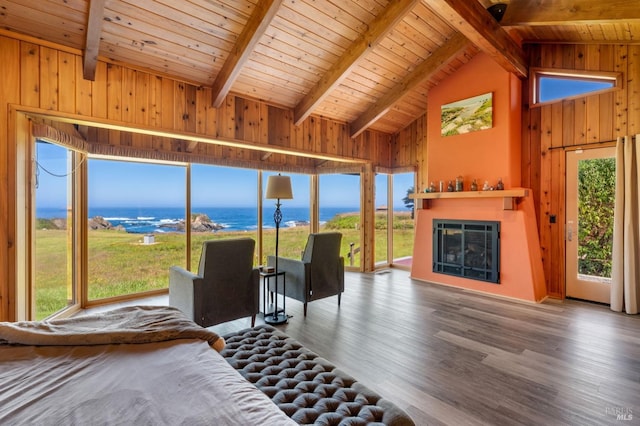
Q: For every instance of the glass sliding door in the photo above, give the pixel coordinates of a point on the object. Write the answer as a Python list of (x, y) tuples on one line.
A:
[(339, 206), (54, 273), (403, 219), (224, 204), (136, 226)]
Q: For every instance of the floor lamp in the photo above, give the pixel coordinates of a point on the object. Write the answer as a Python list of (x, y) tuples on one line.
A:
[(278, 188)]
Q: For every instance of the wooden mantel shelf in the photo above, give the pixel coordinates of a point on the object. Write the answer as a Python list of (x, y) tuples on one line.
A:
[(508, 196)]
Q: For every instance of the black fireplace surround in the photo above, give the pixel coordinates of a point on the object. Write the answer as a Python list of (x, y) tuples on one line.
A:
[(467, 248)]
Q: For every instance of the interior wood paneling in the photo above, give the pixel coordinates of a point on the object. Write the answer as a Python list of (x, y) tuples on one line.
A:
[(549, 130)]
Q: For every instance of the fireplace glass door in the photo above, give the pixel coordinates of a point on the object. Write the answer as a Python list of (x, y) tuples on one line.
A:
[(468, 249)]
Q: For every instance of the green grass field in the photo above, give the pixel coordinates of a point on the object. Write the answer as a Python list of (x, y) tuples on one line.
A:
[(119, 263)]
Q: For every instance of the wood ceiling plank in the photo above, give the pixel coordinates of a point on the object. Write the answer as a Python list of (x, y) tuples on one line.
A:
[(155, 63), (422, 72), (44, 24), (224, 17), (237, 10), (278, 48), (250, 36), (570, 12), (472, 19), (309, 28), (378, 29), (334, 18), (181, 29), (301, 43), (131, 43), (287, 64), (427, 21), (92, 42), (263, 65)]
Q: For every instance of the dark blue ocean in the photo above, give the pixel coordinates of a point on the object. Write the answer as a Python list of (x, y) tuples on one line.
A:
[(144, 220)]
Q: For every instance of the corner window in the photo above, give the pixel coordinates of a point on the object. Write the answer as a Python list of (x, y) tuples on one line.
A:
[(551, 85), (55, 274)]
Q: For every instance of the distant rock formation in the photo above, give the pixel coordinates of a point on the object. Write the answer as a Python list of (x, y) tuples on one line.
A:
[(200, 222), (98, 223)]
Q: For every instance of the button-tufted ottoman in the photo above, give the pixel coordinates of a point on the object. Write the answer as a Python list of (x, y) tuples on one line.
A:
[(309, 389)]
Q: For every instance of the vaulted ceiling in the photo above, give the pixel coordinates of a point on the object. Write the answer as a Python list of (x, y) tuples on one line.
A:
[(369, 63)]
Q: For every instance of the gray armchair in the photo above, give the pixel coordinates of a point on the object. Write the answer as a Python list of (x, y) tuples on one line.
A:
[(319, 274), (226, 287)]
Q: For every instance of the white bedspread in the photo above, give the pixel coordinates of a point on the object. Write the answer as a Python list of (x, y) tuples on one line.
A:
[(179, 381)]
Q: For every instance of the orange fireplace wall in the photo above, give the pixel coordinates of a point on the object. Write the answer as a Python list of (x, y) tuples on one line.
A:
[(521, 273), (482, 155)]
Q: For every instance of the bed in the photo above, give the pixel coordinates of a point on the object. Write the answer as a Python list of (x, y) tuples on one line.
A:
[(135, 365)]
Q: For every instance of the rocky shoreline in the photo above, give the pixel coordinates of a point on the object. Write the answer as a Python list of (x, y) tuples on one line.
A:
[(200, 222)]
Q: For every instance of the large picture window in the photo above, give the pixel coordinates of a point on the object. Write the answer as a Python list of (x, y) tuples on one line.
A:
[(109, 228), (53, 284), (339, 211), (223, 205), (403, 218), (136, 226)]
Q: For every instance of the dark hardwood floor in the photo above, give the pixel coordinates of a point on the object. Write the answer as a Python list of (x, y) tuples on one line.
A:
[(453, 357), (449, 356)]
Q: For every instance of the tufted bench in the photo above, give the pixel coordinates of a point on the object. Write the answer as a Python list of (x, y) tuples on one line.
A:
[(308, 388)]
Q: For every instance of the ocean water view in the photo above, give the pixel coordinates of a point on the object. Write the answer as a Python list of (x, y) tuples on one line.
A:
[(145, 220)]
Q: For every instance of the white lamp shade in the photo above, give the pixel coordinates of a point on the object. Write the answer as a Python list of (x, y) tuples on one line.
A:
[(279, 187)]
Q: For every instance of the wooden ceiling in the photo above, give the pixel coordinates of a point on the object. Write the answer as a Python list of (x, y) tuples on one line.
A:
[(369, 63)]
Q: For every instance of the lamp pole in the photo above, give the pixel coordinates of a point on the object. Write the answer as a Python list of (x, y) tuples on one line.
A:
[(278, 188), (277, 218)]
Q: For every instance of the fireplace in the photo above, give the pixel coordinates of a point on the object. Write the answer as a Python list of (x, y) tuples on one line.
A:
[(467, 248)]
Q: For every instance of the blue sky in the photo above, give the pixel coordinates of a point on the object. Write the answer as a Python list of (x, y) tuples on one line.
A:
[(133, 184), (556, 88)]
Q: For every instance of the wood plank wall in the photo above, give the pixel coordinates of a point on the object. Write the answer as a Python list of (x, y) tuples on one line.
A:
[(47, 78), (548, 131)]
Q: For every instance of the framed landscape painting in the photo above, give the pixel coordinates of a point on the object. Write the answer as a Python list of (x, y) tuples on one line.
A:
[(467, 115)]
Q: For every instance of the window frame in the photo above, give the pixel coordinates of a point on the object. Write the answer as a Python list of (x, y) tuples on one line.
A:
[(597, 76)]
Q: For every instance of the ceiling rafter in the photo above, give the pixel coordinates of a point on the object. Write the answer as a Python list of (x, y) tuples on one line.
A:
[(377, 31), (92, 40), (258, 23), (439, 58), (570, 12), (476, 23)]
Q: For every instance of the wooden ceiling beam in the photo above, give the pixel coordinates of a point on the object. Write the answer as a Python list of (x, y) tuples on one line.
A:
[(439, 58), (258, 23), (476, 23), (92, 40), (377, 31), (570, 12)]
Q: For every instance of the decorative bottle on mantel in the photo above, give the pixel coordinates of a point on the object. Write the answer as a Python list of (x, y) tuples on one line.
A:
[(459, 184), (474, 185), (450, 187), (500, 185)]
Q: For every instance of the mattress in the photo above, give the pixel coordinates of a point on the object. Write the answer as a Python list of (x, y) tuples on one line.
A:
[(172, 381)]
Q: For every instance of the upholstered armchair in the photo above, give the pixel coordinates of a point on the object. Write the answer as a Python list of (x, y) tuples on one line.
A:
[(225, 288), (320, 272)]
